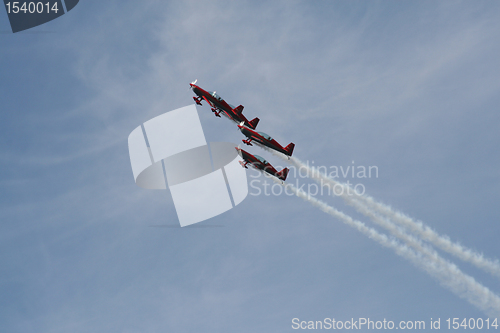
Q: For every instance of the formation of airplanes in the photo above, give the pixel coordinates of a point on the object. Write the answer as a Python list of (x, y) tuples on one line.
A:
[(219, 105)]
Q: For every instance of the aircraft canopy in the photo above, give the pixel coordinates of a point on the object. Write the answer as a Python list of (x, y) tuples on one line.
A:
[(265, 136), (214, 95), (260, 159)]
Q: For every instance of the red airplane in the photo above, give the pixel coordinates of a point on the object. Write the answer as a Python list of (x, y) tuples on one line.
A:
[(218, 105), (265, 140), (259, 163)]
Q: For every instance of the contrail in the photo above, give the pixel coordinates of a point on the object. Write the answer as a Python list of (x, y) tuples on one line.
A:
[(362, 202), (428, 234), (448, 274)]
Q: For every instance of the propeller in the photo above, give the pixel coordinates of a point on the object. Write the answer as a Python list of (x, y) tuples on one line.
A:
[(194, 82)]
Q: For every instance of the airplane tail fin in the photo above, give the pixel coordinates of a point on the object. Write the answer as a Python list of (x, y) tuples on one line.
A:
[(253, 123), (238, 110), (289, 148), (282, 174)]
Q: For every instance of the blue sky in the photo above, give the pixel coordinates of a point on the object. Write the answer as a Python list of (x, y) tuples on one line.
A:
[(410, 87)]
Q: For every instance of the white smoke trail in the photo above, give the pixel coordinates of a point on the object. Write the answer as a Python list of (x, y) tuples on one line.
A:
[(448, 274), (362, 202), (428, 234)]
